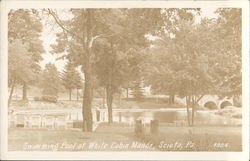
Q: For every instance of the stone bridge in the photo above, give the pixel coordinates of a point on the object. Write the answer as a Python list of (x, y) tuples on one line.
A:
[(214, 102)]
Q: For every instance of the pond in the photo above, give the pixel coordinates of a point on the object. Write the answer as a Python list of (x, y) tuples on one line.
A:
[(173, 117), (177, 117)]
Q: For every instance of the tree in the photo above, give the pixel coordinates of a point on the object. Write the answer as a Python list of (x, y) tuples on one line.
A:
[(81, 33), (25, 26), (77, 38), (229, 74), (71, 79), (18, 65), (195, 61), (51, 83), (136, 62), (127, 34), (181, 64), (111, 71)]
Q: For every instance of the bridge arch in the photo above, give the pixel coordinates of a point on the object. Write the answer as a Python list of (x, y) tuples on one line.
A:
[(215, 102), (210, 105), (225, 103)]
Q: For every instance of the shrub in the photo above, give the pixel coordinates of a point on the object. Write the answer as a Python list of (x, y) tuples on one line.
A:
[(49, 98)]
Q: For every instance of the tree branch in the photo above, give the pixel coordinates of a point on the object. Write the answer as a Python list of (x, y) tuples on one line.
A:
[(99, 36), (59, 22), (200, 98)]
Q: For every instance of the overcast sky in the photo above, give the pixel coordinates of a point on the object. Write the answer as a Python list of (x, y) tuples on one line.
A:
[(48, 37)]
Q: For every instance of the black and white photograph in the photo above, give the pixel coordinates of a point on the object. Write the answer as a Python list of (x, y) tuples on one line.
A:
[(125, 79)]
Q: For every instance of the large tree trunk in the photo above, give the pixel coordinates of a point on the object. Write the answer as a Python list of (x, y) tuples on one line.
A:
[(24, 91), (172, 96), (194, 106), (193, 110), (192, 102), (70, 94), (87, 42), (87, 100), (109, 89), (188, 115), (188, 111), (109, 103), (77, 94), (120, 99), (11, 91), (103, 98)]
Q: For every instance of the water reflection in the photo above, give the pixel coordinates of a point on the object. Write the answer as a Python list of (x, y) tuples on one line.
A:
[(201, 117), (127, 116)]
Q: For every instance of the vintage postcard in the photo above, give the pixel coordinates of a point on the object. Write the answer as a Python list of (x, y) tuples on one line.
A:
[(125, 80)]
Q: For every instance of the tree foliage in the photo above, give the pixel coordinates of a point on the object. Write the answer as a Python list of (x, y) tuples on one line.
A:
[(199, 59), (185, 58), (119, 28), (51, 82), (228, 73), (24, 27), (71, 78)]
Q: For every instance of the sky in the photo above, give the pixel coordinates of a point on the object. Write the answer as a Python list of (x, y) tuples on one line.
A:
[(48, 36)]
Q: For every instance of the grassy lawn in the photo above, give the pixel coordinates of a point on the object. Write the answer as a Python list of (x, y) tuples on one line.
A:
[(205, 138), (21, 139), (117, 137)]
